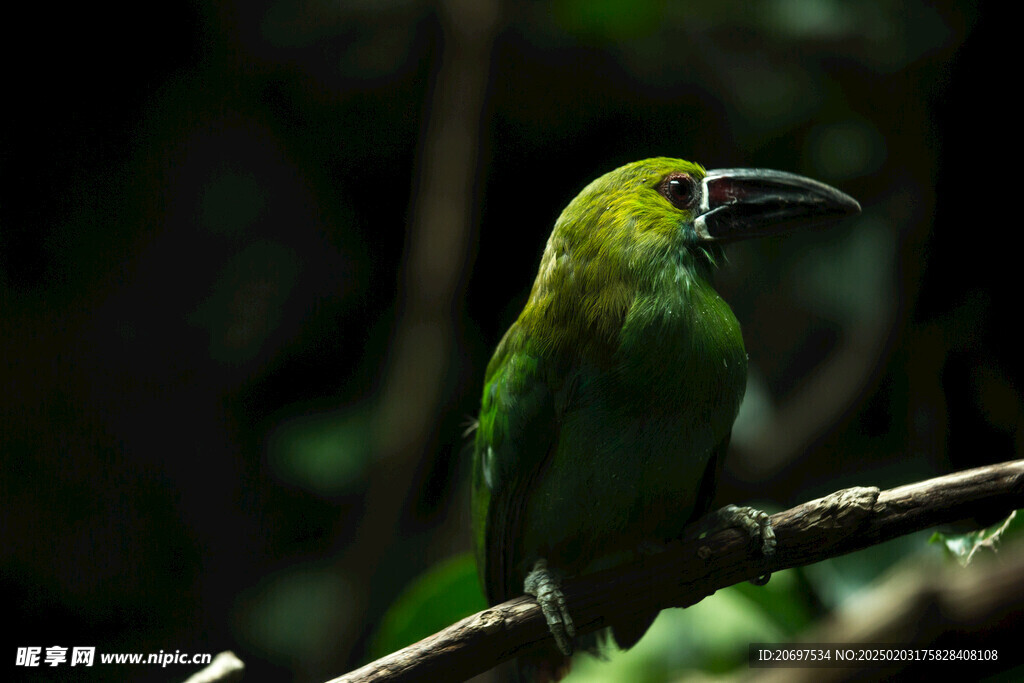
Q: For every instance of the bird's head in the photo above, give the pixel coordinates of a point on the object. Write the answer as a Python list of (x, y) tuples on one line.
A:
[(657, 225), (663, 207)]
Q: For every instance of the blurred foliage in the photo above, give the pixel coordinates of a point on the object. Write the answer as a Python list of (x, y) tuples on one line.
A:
[(323, 453), (712, 636), (964, 547), (444, 594), (840, 580), (864, 260), (287, 612)]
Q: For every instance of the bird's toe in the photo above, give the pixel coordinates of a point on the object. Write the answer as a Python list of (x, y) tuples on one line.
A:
[(544, 586)]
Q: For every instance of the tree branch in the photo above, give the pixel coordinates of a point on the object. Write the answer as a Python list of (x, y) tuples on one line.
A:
[(226, 667), (837, 524)]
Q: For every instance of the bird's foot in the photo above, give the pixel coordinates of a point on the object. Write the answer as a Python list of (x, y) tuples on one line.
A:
[(756, 522), (542, 584)]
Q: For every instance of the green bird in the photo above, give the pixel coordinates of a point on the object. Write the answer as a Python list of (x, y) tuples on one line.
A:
[(608, 405)]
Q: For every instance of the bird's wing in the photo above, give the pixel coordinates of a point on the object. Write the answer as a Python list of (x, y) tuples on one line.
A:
[(709, 482), (517, 432)]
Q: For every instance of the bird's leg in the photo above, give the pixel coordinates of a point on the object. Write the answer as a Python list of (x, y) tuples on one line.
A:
[(542, 584), (756, 522)]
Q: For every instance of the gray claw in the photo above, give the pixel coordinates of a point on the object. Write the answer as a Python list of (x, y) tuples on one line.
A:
[(756, 522), (542, 584)]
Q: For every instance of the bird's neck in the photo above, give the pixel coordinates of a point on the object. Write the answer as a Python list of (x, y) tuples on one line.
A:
[(679, 318), (597, 309)]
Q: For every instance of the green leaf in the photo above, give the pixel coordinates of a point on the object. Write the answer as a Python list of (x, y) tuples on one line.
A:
[(963, 547), (445, 593)]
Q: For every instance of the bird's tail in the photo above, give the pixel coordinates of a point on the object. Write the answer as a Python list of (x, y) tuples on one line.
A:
[(542, 668), (550, 666), (628, 633)]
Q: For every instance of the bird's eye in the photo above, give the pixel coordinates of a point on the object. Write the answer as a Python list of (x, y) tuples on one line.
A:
[(679, 189)]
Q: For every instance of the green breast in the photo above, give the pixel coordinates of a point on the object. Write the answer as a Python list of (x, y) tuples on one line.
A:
[(638, 432)]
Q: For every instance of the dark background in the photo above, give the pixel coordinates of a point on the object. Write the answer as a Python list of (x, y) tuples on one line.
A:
[(249, 280)]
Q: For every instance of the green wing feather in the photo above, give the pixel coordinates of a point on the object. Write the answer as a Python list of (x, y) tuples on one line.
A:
[(516, 432)]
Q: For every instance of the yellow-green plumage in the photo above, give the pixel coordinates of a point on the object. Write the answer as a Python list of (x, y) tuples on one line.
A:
[(608, 399), (608, 404)]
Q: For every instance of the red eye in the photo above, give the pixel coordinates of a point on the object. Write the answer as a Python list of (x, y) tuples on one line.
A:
[(680, 189)]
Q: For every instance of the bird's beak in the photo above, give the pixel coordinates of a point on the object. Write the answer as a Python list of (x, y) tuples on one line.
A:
[(750, 202)]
